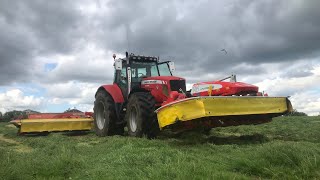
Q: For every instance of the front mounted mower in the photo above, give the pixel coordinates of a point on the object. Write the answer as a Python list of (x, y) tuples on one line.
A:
[(145, 97)]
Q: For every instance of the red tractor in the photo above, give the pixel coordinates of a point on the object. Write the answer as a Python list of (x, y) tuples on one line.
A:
[(141, 84), (146, 97)]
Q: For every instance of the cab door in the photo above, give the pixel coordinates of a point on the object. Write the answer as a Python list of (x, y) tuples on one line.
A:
[(122, 80)]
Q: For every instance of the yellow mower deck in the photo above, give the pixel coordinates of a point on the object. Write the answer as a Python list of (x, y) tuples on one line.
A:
[(50, 125), (220, 106), (179, 111)]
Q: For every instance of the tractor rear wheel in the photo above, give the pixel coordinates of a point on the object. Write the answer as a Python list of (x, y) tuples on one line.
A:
[(140, 116), (105, 115)]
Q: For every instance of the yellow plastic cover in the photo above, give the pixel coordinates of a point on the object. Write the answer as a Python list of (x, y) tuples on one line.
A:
[(198, 107), (43, 125)]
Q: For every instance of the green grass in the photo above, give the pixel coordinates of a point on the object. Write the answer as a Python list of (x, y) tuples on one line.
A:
[(287, 148)]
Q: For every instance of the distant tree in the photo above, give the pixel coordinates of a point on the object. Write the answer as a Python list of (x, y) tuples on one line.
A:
[(74, 110), (10, 115), (0, 116), (29, 111), (296, 113)]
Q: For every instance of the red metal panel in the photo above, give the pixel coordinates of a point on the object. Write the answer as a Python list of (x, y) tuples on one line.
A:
[(43, 116), (226, 88), (160, 88), (115, 92)]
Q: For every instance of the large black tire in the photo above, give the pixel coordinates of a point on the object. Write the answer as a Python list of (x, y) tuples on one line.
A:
[(105, 115), (140, 116)]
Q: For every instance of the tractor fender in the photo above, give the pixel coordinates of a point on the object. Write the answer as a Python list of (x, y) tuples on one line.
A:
[(114, 91)]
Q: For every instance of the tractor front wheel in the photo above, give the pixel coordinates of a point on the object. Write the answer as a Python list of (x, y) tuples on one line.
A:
[(140, 116)]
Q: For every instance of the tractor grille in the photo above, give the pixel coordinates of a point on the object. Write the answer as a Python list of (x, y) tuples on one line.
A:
[(177, 84)]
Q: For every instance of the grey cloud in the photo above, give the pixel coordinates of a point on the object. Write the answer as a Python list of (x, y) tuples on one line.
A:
[(30, 29), (191, 33), (253, 32), (302, 68), (86, 75), (16, 50), (57, 25)]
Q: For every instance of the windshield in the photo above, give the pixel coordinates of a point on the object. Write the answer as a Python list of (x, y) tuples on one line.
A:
[(148, 69), (139, 69)]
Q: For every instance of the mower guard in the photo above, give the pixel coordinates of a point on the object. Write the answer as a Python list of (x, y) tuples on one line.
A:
[(203, 107), (52, 125)]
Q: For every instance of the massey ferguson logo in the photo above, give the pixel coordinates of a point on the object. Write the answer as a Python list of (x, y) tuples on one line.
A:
[(151, 82)]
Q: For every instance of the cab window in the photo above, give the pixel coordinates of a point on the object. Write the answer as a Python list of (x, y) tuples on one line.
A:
[(164, 69), (123, 76), (142, 72), (154, 71)]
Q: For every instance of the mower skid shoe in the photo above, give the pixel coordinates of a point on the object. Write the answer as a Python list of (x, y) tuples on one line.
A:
[(217, 107), (16, 123)]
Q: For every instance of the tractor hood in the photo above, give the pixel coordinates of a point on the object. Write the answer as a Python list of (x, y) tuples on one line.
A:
[(161, 86), (172, 82)]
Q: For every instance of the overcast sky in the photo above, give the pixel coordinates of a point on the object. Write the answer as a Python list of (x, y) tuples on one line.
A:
[(55, 54)]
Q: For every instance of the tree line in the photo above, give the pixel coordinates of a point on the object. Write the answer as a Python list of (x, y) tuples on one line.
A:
[(15, 114), (8, 116), (11, 115)]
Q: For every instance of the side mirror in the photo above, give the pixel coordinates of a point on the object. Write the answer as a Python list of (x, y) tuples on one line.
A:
[(118, 64), (171, 66)]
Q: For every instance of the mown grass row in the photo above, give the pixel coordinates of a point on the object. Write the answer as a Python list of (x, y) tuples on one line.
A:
[(287, 148)]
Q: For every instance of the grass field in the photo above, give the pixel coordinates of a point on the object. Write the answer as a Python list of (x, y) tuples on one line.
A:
[(287, 148)]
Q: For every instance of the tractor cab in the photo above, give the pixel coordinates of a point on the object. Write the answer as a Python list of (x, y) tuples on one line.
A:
[(132, 70)]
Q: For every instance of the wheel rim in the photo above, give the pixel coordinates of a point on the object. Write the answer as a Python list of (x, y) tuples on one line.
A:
[(133, 119), (100, 117)]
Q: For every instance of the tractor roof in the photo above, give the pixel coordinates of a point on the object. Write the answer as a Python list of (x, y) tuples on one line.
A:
[(133, 57)]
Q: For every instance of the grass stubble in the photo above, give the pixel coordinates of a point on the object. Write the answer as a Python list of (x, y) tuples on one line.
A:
[(286, 148)]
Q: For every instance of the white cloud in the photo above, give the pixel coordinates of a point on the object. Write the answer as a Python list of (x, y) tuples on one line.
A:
[(307, 102), (287, 85), (15, 99), (304, 96), (76, 94)]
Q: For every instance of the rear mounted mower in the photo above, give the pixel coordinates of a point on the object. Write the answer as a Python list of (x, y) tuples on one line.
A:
[(54, 122)]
